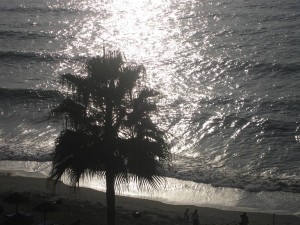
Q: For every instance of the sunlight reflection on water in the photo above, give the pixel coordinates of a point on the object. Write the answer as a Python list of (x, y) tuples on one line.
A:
[(148, 32), (195, 56), (229, 94)]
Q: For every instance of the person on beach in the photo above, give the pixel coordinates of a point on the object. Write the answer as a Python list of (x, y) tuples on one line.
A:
[(186, 216), (245, 219), (195, 217)]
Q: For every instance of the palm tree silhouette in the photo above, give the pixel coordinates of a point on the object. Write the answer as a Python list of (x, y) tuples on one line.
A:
[(108, 129)]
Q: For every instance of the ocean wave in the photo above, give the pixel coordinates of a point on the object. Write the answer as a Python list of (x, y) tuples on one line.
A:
[(11, 94), (32, 9), (35, 156), (37, 56), (25, 111), (24, 35), (287, 106), (266, 68), (59, 10), (197, 170), (27, 133)]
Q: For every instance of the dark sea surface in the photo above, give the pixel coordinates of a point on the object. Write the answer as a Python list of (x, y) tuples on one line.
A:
[(228, 71)]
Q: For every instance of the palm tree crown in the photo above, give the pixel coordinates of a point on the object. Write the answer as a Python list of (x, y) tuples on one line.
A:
[(108, 128)]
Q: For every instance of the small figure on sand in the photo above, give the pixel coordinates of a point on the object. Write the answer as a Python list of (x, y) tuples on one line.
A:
[(186, 216), (245, 220), (195, 217)]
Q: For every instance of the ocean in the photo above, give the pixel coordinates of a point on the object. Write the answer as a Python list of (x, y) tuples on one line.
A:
[(228, 72)]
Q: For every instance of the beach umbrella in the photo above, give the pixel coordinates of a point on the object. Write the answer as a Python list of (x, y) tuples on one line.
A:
[(15, 198), (45, 207)]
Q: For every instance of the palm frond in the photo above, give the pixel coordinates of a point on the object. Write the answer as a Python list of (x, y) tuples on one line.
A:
[(75, 112), (109, 128), (73, 155), (73, 80), (105, 68), (153, 182), (79, 86), (120, 179), (144, 160), (129, 77)]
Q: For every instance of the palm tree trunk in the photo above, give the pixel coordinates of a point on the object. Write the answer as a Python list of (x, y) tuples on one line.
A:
[(110, 198)]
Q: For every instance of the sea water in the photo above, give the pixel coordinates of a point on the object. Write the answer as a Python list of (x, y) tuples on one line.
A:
[(228, 72)]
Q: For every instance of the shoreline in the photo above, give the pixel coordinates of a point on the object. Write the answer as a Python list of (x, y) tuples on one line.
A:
[(181, 192), (154, 211)]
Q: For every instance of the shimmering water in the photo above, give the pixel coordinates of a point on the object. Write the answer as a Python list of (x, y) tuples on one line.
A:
[(228, 71)]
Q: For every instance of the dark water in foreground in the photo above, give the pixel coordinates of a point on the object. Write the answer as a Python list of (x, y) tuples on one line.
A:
[(229, 72)]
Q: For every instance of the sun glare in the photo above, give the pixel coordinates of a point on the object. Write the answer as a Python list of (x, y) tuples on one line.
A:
[(143, 30), (148, 32)]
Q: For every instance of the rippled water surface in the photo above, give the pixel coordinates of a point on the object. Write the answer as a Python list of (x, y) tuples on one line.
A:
[(228, 71)]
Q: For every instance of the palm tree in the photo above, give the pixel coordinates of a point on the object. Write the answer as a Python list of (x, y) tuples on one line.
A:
[(108, 129)]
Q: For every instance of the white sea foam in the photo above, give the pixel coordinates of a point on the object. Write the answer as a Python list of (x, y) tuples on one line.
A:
[(180, 192)]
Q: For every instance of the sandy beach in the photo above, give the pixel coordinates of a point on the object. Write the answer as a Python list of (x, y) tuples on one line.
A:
[(89, 206)]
